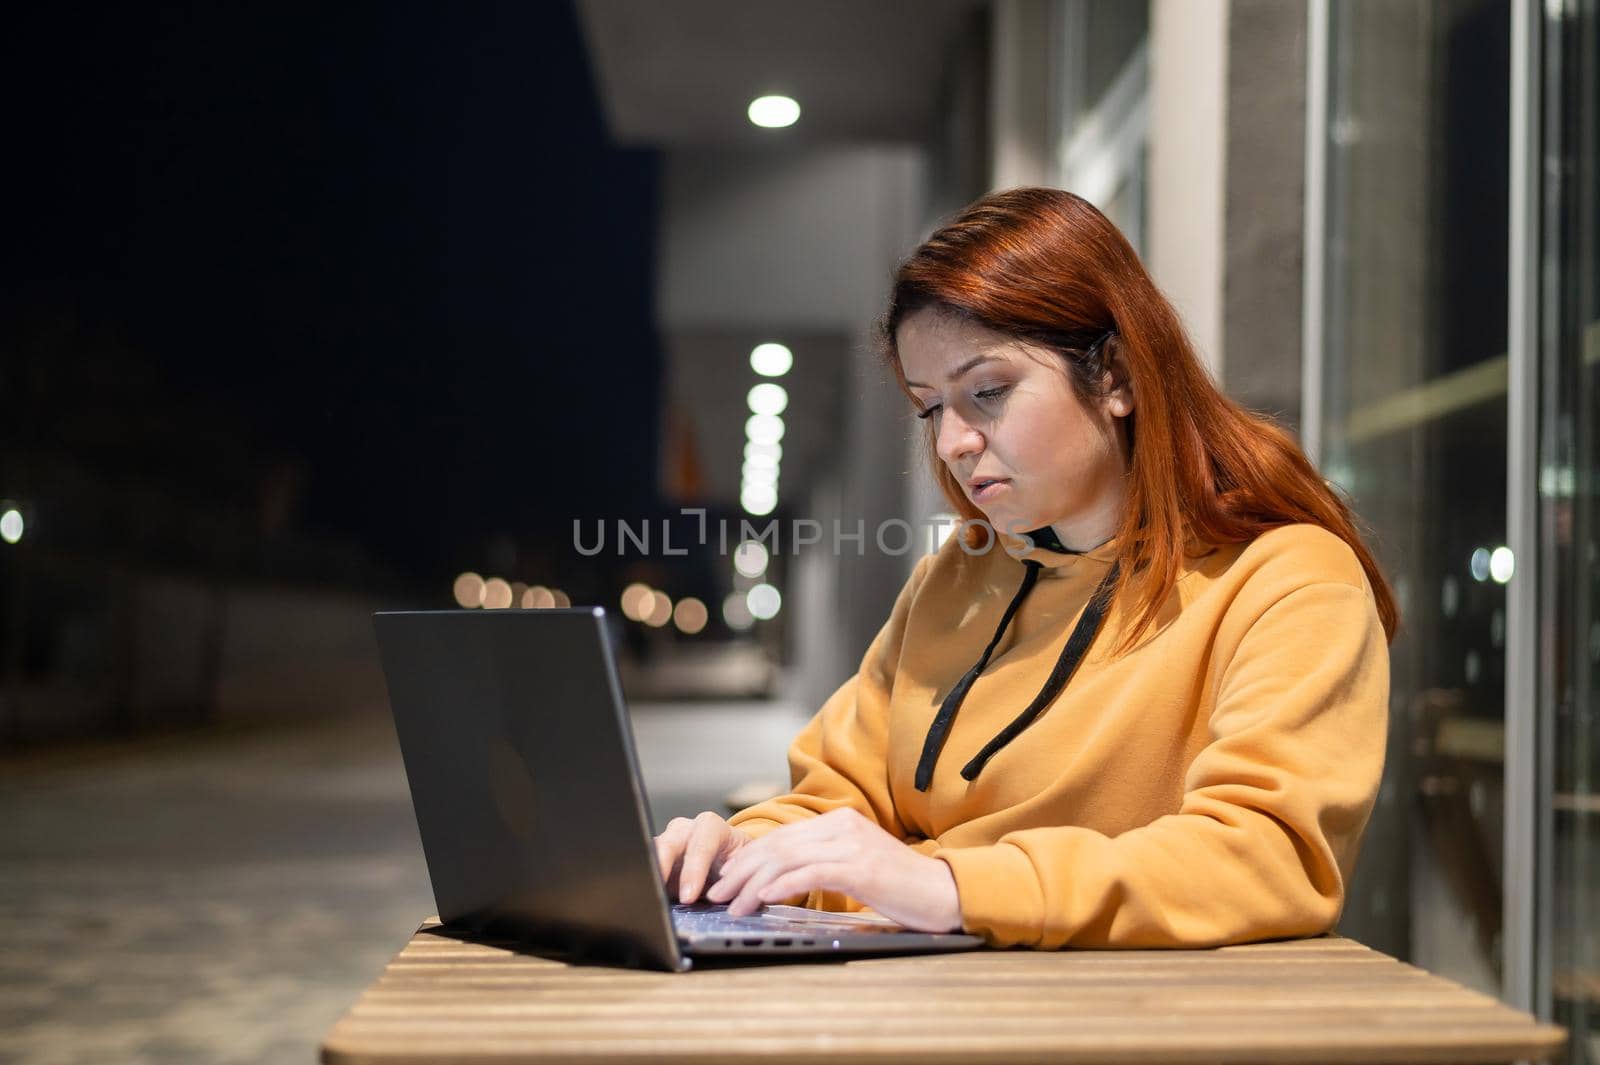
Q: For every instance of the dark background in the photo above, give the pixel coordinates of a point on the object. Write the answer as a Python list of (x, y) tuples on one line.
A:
[(350, 293)]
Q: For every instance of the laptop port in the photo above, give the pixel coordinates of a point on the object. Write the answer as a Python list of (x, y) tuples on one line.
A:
[(782, 942), (756, 942)]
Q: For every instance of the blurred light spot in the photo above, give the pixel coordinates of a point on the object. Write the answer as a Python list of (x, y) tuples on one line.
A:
[(763, 428), (1480, 564), (636, 601), (758, 498), (768, 398), (690, 615), (11, 526), (750, 558), (774, 112), (538, 598), (763, 454), (561, 598), (771, 360), (736, 612), (1473, 667), (469, 590), (767, 475), (764, 601), (1449, 596), (660, 610), (761, 460), (496, 594), (1502, 564)]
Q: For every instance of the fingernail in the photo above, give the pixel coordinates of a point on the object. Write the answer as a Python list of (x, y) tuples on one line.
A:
[(687, 892)]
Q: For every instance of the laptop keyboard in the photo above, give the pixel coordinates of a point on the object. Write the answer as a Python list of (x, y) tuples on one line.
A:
[(691, 919)]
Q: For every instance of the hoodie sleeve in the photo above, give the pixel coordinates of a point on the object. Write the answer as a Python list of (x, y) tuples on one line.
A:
[(1272, 814), (840, 758)]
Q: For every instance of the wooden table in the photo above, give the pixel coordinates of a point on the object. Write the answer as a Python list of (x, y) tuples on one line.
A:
[(1322, 1000)]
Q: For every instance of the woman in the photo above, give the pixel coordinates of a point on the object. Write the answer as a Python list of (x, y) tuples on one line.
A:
[(1149, 708)]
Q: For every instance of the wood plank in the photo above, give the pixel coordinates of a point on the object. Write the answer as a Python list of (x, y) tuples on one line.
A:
[(1297, 1002)]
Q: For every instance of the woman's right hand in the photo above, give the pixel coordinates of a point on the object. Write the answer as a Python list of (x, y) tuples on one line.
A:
[(691, 853)]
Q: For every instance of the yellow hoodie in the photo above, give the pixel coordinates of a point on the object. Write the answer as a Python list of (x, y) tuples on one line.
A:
[(1209, 787)]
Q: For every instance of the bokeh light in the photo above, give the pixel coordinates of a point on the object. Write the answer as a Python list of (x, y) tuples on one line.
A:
[(1502, 564), (768, 398), (771, 360), (636, 601), (736, 612), (758, 499), (750, 558), (660, 611), (689, 615), (763, 428), (496, 594), (468, 590), (764, 601)]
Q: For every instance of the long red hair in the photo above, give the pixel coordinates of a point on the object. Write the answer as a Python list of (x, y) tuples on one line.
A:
[(1045, 266)]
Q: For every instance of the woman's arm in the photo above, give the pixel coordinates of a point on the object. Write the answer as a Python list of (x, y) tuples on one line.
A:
[(1272, 815)]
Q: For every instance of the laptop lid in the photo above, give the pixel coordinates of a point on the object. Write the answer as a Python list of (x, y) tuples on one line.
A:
[(528, 797)]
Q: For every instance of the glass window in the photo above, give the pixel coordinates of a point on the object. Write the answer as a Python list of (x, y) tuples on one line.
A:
[(1414, 429), (1570, 522)]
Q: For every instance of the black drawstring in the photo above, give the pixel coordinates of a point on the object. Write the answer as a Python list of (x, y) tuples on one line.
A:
[(1083, 634), (940, 729)]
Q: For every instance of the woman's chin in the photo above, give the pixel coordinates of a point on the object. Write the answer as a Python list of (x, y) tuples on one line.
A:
[(1006, 520)]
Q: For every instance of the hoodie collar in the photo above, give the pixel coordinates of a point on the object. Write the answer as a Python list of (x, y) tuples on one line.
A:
[(1049, 552)]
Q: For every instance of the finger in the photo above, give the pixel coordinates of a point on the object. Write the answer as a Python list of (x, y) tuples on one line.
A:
[(758, 851), (705, 841), (823, 876), (669, 845), (747, 899), (754, 855), (731, 877)]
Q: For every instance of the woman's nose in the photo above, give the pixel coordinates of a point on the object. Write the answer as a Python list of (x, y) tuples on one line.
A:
[(957, 438)]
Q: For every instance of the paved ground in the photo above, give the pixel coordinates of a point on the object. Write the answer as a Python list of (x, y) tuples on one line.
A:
[(221, 898)]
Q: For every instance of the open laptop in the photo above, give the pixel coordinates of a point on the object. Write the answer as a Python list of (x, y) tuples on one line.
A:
[(532, 813)]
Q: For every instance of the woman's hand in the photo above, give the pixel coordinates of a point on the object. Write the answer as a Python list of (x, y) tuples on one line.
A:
[(689, 852), (841, 851)]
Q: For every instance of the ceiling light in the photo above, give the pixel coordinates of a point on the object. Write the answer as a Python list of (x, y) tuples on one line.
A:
[(774, 112)]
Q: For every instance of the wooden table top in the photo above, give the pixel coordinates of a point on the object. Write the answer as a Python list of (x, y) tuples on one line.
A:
[(1324, 1000)]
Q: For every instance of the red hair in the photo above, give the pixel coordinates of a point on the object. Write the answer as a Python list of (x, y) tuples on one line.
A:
[(1045, 266)]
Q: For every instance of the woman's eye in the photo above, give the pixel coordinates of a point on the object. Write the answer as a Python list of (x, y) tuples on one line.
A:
[(991, 393), (928, 412)]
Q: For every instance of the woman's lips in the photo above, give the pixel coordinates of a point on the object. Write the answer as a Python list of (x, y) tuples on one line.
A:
[(988, 491)]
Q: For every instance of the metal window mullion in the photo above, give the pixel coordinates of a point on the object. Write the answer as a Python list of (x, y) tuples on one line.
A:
[(1521, 949), (1313, 306)]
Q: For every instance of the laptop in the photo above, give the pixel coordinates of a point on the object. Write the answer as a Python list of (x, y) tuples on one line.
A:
[(533, 817)]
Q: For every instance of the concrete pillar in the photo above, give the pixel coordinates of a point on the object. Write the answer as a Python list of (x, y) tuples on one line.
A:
[(1263, 212), (1019, 97), (1188, 112)]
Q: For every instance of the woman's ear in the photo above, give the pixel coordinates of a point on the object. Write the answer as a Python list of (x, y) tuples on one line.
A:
[(1117, 396)]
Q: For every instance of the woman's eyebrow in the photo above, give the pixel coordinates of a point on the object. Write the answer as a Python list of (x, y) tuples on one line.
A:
[(978, 360)]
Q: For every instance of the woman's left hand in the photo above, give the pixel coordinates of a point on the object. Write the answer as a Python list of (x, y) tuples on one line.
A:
[(841, 851)]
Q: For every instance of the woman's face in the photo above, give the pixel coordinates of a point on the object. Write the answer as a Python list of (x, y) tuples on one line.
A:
[(1004, 410)]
